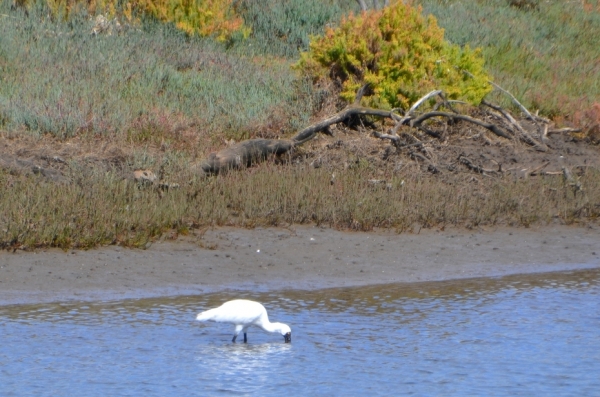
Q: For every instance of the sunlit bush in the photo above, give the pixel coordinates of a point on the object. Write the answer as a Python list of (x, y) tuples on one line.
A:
[(401, 53), (204, 17)]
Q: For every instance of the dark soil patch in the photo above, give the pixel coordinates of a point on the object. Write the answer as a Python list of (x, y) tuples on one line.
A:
[(486, 154), (464, 149)]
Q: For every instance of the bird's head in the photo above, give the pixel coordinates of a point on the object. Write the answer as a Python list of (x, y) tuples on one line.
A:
[(286, 332)]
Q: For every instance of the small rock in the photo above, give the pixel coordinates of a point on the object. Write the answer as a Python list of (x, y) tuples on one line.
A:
[(144, 176)]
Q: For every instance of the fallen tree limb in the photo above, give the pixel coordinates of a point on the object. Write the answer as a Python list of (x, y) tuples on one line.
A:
[(524, 135), (352, 110), (512, 97), (392, 137), (492, 127), (563, 130), (474, 167), (410, 113), (515, 100), (246, 153)]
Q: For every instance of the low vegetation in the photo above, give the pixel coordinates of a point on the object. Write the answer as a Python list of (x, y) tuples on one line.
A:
[(102, 208), (401, 54), (160, 96), (545, 54)]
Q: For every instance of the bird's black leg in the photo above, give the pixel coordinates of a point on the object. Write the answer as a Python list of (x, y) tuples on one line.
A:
[(234, 338), (245, 338)]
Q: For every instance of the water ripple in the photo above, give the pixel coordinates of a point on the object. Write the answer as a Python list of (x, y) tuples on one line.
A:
[(521, 335)]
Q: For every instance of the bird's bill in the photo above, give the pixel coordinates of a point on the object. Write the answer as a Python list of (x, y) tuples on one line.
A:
[(288, 337)]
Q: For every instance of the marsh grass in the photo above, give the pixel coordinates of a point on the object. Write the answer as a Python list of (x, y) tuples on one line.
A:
[(152, 86), (59, 79), (283, 28), (101, 208), (547, 57)]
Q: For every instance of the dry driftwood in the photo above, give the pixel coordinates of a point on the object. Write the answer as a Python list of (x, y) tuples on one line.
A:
[(244, 154), (518, 130), (248, 152)]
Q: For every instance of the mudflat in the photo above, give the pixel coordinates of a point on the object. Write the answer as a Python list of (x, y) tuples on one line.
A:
[(300, 257)]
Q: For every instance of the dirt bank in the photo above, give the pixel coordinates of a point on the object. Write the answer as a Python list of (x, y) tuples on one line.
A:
[(296, 258)]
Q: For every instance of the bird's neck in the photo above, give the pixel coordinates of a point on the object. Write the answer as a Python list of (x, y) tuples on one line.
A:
[(270, 327)]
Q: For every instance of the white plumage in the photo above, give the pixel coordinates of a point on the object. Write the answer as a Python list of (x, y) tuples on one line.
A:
[(244, 313)]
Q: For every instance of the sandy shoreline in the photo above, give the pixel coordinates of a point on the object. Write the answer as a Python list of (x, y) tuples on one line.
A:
[(296, 258)]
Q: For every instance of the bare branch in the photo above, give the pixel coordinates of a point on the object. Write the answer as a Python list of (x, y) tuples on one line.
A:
[(362, 91), (494, 128), (408, 115), (362, 4), (536, 170), (524, 134), (394, 138), (511, 96), (423, 99), (480, 170), (563, 130), (309, 132)]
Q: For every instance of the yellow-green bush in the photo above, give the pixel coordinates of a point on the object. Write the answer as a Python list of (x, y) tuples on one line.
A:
[(401, 53), (204, 17), (65, 9)]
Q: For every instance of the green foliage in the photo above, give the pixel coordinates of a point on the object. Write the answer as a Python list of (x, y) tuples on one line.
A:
[(204, 17), (215, 18), (547, 58), (154, 78), (402, 54), (282, 28)]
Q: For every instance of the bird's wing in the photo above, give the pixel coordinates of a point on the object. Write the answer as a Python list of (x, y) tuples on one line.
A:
[(237, 312)]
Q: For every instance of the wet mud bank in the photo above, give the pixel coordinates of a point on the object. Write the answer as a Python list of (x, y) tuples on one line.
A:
[(305, 258)]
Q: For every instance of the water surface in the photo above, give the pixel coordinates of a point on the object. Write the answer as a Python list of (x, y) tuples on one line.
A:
[(519, 335)]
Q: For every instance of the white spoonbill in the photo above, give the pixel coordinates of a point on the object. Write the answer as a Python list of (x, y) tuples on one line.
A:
[(244, 313)]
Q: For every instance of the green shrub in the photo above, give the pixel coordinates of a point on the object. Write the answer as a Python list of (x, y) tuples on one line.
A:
[(154, 78), (204, 17), (216, 18), (402, 54)]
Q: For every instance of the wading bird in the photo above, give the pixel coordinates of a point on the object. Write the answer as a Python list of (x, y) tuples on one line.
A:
[(244, 313)]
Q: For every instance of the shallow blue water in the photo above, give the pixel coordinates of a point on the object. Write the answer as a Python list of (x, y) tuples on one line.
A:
[(527, 335)]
